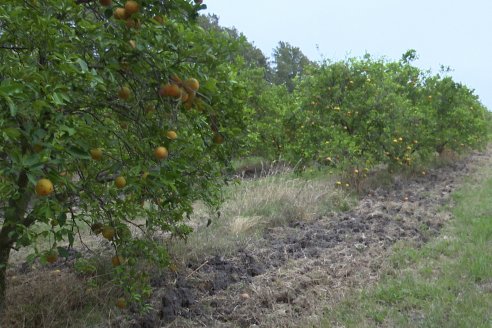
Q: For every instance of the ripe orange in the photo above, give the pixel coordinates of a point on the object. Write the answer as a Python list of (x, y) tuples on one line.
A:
[(131, 7), (96, 154), (170, 90), (44, 187), (124, 93), (120, 182), (184, 95), (190, 100), (117, 260), (121, 303), (106, 3), (171, 135), (108, 232), (192, 84), (120, 13), (161, 152)]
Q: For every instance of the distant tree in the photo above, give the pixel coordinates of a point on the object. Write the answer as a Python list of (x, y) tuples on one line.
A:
[(253, 57), (289, 63)]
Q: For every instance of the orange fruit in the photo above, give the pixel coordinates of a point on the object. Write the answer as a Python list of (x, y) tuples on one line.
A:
[(184, 95), (108, 232), (120, 13), (192, 84), (161, 152), (117, 260), (170, 90), (124, 93), (96, 154), (189, 102), (120, 182), (131, 7), (218, 139), (44, 187), (171, 135), (121, 303)]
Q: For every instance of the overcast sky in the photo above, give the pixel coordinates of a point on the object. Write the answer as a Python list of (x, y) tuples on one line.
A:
[(451, 33)]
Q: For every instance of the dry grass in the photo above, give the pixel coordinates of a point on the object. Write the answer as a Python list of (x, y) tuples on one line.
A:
[(254, 205), (55, 298)]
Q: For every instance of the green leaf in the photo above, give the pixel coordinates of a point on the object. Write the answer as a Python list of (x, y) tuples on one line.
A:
[(108, 13), (58, 99), (12, 107), (78, 152), (63, 251), (12, 133), (62, 218), (82, 64), (69, 130)]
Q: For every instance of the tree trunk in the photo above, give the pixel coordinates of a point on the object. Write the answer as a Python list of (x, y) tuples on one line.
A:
[(14, 214), (4, 260)]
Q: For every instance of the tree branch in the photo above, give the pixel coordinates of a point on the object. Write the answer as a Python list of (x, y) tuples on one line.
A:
[(14, 48), (79, 2)]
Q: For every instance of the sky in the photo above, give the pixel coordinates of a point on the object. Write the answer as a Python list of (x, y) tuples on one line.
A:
[(452, 33)]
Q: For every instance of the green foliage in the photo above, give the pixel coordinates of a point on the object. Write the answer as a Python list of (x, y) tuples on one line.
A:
[(64, 64), (364, 112)]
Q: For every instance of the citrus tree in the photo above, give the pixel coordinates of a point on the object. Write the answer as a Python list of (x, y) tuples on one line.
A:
[(364, 112), (115, 115)]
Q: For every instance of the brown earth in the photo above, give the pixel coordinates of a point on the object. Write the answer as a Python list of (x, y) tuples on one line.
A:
[(296, 271)]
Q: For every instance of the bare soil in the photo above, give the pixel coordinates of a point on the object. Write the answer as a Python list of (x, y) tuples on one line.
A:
[(294, 272)]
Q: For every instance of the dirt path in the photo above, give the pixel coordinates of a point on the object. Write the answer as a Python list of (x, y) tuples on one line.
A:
[(296, 271)]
